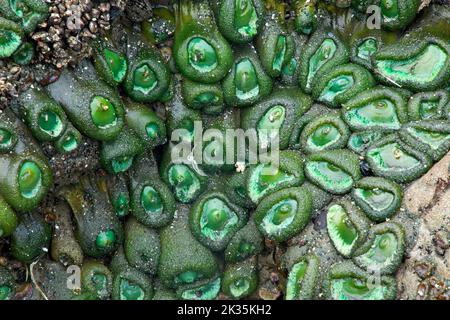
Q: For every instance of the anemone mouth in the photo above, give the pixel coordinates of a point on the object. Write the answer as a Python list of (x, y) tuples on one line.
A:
[(106, 239), (205, 292), (130, 290), (246, 80), (367, 48), (6, 139), (353, 288), (336, 87), (117, 64), (152, 130), (360, 141), (422, 68), (184, 181), (280, 53), (189, 127), (103, 112), (10, 41), (323, 136), (206, 98), (70, 143), (213, 152), (378, 113), (376, 198), (122, 163), (5, 292), (428, 109), (217, 219), (29, 179), (260, 183), (273, 119), (280, 217), (389, 10), (121, 205), (151, 201), (432, 139), (99, 281), (245, 248), (341, 230), (382, 253), (329, 176), (290, 68), (392, 157), (188, 277), (201, 55), (50, 123), (305, 19), (239, 287), (323, 54), (295, 279), (245, 18), (145, 79)]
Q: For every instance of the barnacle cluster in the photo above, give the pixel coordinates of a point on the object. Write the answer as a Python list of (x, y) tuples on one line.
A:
[(360, 112)]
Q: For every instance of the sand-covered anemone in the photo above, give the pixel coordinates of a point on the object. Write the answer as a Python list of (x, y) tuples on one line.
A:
[(347, 227), (263, 179), (391, 158), (345, 281), (429, 136), (214, 220), (334, 171), (283, 214), (384, 250), (324, 133), (379, 198), (303, 278)]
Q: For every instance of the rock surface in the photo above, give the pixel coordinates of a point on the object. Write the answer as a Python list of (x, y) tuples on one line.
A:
[(426, 271)]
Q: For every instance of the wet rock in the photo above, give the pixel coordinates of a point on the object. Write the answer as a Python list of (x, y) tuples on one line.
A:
[(428, 199)]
